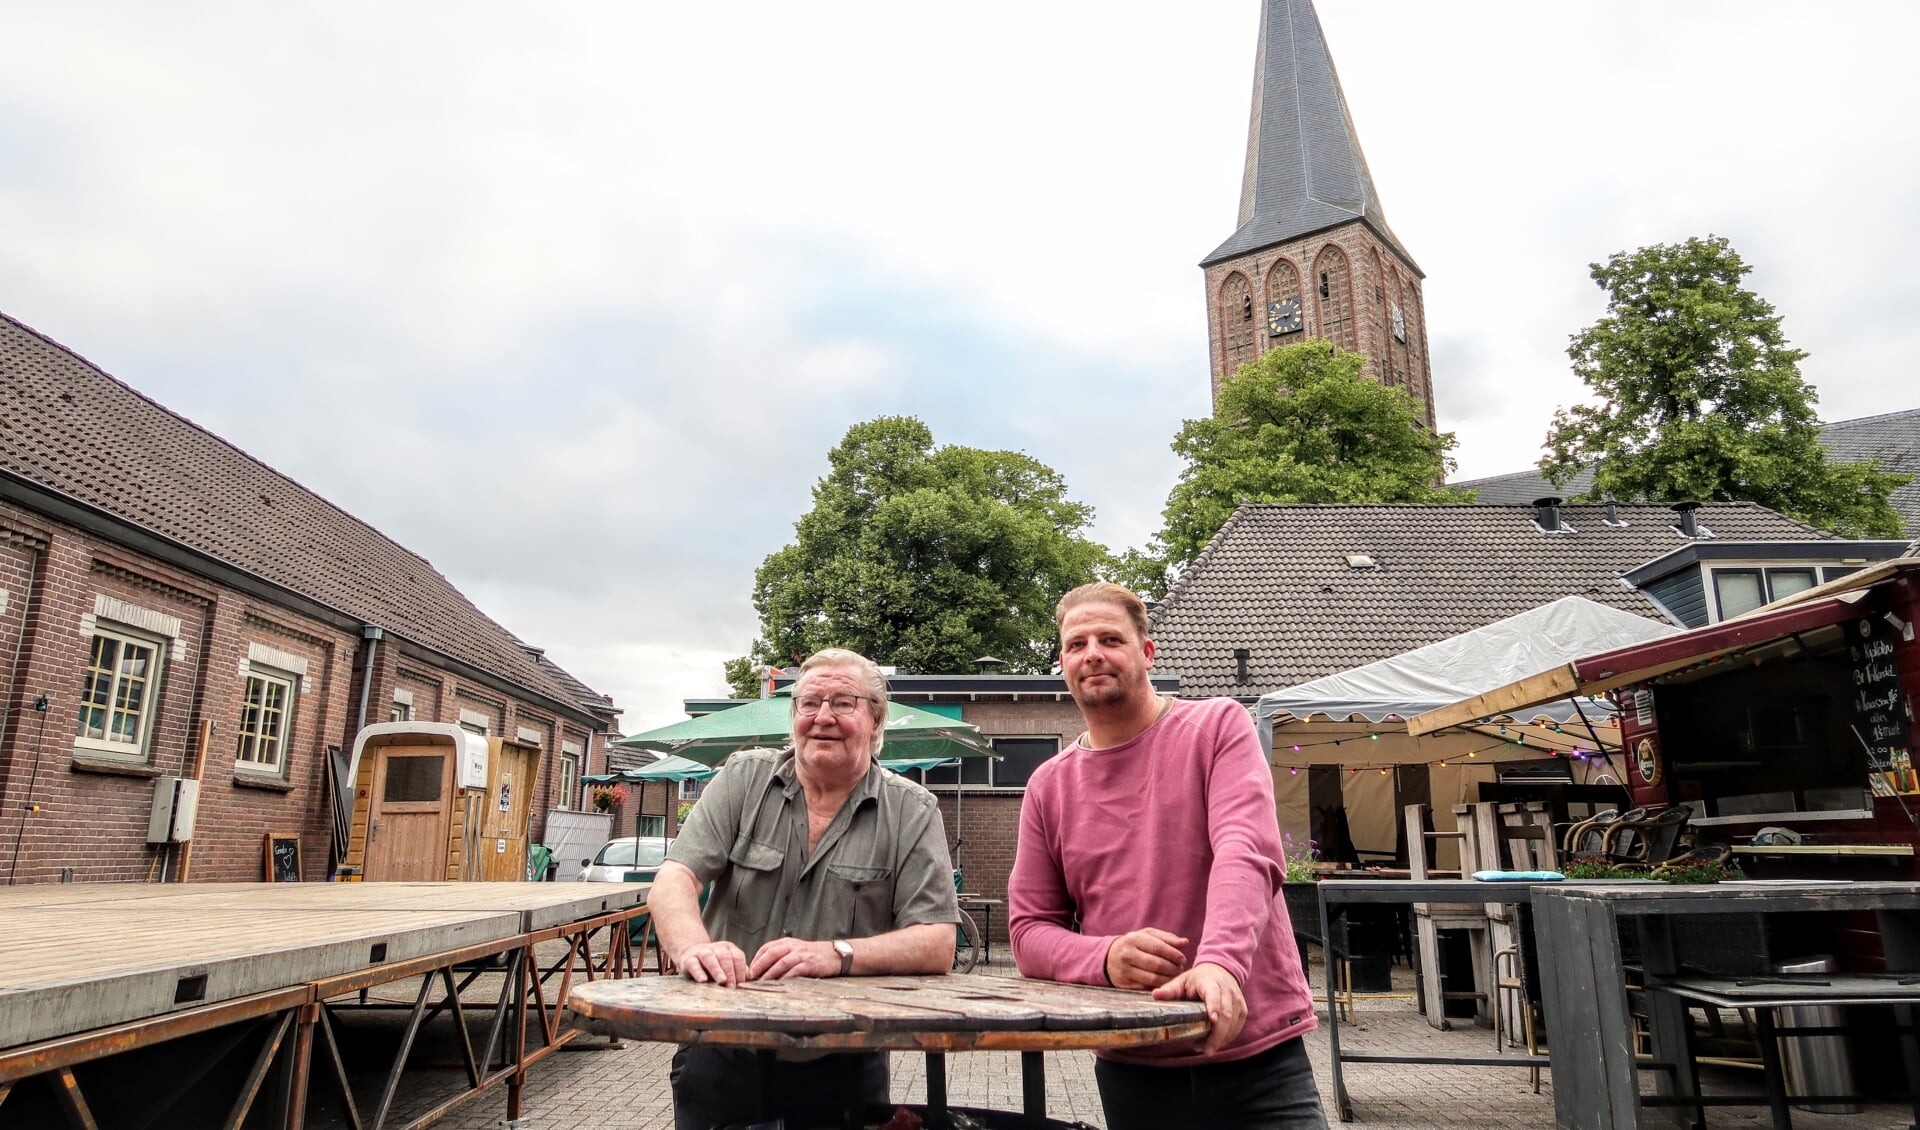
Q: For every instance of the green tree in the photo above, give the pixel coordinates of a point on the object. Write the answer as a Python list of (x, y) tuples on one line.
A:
[(1301, 424), (741, 681), (1701, 398), (924, 557)]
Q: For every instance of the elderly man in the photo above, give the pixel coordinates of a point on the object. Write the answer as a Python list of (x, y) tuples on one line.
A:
[(1149, 858), (823, 864)]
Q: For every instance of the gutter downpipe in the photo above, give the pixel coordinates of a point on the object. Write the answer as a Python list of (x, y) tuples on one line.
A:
[(373, 635)]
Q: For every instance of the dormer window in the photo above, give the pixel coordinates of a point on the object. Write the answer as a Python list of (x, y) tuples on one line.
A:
[(1739, 591)]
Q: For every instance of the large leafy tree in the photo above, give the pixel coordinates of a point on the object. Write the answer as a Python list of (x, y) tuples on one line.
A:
[(1300, 424), (924, 557), (1700, 398)]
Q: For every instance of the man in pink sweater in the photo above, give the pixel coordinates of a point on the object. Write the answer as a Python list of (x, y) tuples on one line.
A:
[(1150, 858)]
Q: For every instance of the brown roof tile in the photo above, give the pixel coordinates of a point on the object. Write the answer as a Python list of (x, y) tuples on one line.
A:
[(1275, 581), (66, 425)]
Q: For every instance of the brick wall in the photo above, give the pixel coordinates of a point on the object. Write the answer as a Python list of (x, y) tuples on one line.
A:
[(1379, 280), (93, 807)]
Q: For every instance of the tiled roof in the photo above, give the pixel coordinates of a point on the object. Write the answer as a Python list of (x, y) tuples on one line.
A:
[(1305, 171), (68, 426), (1276, 581), (1892, 438)]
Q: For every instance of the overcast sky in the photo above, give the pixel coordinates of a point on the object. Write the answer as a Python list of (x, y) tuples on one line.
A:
[(573, 299)]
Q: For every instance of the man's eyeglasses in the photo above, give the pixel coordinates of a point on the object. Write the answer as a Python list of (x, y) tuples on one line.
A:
[(840, 704)]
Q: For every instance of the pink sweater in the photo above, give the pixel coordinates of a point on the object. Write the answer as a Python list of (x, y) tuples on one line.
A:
[(1176, 829)]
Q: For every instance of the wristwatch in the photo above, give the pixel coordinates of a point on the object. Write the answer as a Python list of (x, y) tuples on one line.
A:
[(845, 949)]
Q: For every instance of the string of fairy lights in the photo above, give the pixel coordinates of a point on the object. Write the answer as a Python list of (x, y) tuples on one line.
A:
[(1573, 750)]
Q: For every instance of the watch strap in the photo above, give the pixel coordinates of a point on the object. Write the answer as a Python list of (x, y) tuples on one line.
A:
[(845, 950)]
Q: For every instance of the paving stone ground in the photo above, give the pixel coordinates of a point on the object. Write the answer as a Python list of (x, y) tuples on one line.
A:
[(626, 1088)]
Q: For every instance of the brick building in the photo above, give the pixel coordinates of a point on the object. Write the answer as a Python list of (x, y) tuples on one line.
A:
[(172, 607), (1312, 255)]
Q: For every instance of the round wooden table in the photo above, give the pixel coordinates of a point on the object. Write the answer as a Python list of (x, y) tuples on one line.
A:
[(932, 1014)]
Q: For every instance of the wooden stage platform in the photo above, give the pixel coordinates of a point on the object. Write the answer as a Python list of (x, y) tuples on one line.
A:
[(92, 967)]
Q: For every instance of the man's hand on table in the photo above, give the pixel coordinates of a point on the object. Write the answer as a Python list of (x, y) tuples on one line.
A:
[(1214, 987), (794, 957), (1145, 959), (722, 963)]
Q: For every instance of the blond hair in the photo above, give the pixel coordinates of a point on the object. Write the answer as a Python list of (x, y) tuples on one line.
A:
[(1104, 592)]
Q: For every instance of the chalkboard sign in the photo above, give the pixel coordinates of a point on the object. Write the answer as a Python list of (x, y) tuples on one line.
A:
[(283, 857), (1879, 714)]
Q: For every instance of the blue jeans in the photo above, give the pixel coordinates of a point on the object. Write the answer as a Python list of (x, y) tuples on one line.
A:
[(1273, 1090)]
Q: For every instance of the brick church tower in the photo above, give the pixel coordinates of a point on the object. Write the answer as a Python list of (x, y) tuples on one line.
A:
[(1313, 256)]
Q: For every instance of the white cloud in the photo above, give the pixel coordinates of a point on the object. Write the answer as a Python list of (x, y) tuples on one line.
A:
[(573, 299)]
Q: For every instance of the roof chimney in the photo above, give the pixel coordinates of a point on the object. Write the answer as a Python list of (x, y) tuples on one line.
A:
[(1689, 518), (1613, 511), (1240, 655), (1546, 513), (988, 665)]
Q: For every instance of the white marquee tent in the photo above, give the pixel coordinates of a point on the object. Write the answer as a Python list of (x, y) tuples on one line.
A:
[(1357, 719)]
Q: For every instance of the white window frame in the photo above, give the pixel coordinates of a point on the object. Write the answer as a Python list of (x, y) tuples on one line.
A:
[(477, 722), (400, 711), (569, 777), (1766, 569), (253, 759), (138, 749), (691, 790)]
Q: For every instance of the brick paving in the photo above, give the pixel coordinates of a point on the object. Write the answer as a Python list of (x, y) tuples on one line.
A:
[(626, 1088)]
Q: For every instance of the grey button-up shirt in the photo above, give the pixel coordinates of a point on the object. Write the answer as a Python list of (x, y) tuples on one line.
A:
[(881, 865)]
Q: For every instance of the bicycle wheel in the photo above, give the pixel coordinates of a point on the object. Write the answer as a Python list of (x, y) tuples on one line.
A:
[(966, 944)]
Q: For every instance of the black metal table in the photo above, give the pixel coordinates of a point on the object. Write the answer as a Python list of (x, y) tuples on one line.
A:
[(1336, 893), (1589, 1028)]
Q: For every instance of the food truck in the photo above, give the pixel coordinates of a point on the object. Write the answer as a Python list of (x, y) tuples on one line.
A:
[(433, 801), (1788, 731)]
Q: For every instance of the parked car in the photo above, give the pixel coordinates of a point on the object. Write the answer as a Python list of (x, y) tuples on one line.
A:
[(639, 856)]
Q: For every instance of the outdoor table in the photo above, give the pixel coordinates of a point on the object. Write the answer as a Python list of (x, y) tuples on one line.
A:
[(933, 1014), (1596, 1083), (1336, 893)]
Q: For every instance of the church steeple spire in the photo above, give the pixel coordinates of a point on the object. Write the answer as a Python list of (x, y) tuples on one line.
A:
[(1305, 171), (1312, 257)]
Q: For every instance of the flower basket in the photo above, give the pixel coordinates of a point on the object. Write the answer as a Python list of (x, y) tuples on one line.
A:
[(606, 798)]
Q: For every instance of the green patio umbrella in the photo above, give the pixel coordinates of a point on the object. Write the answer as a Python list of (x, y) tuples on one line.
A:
[(665, 769), (910, 734)]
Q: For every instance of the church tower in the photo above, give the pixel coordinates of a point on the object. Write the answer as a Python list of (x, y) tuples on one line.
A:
[(1313, 256)]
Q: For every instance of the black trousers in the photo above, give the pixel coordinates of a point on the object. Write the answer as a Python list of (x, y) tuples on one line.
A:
[(1273, 1090), (724, 1087)]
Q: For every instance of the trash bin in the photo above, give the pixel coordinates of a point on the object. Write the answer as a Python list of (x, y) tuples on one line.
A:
[(1815, 1065)]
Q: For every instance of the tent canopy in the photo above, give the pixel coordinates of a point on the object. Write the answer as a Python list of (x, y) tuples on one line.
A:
[(1465, 665), (666, 769)]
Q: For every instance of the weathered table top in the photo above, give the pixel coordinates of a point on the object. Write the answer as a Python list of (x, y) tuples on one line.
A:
[(939, 1013)]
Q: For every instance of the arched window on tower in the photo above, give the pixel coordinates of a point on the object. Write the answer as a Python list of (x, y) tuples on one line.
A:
[(1285, 317), (1377, 285), (1237, 322), (1333, 287)]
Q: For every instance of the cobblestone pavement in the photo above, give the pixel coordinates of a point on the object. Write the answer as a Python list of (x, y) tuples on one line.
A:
[(626, 1088)]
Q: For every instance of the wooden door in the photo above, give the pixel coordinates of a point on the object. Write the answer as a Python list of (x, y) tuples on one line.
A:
[(505, 810), (408, 813)]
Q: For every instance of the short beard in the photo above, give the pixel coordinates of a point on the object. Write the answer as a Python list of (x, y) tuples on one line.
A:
[(1086, 698)]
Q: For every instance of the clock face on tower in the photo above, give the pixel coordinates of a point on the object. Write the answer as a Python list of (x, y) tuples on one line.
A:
[(1283, 317)]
